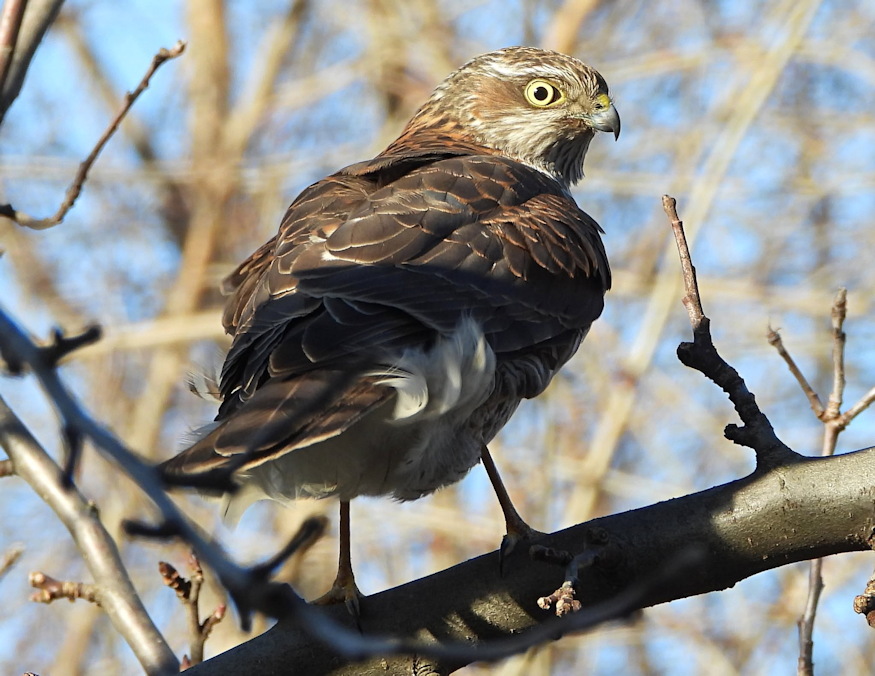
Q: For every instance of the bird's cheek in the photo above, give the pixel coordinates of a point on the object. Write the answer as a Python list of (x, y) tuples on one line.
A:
[(578, 122)]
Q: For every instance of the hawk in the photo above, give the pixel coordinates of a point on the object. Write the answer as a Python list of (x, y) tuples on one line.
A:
[(409, 302)]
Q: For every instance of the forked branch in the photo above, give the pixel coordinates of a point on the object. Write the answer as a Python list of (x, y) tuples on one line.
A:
[(756, 432)]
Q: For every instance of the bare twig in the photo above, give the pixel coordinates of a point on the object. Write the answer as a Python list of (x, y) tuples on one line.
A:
[(52, 353), (805, 624), (10, 558), (775, 341), (206, 628), (692, 300), (834, 423), (6, 468), (757, 432), (174, 580), (563, 600), (599, 551), (864, 402), (51, 589), (75, 188), (188, 591), (61, 345), (838, 314)]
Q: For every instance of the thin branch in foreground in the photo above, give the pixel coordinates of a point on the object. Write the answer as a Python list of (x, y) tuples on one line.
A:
[(308, 533), (72, 452), (119, 599), (54, 351), (356, 646), (62, 345), (162, 531), (51, 589), (220, 479), (75, 188), (250, 591), (757, 432)]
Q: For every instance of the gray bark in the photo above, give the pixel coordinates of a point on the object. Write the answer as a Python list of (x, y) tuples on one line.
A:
[(803, 510)]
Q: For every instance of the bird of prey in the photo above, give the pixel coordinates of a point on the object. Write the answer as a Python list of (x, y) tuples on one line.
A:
[(409, 302)]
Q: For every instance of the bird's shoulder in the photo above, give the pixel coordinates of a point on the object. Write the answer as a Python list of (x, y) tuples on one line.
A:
[(373, 256)]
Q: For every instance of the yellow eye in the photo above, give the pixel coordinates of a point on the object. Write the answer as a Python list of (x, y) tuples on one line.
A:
[(541, 93)]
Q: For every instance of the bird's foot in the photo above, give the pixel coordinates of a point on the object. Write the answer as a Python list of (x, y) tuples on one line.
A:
[(518, 533), (346, 592)]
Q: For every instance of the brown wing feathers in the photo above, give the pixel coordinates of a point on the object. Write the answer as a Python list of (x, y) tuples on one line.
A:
[(355, 276)]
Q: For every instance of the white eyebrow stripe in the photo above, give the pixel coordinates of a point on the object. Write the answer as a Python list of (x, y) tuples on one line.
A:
[(504, 69)]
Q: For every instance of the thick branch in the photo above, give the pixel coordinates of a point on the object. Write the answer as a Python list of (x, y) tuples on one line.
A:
[(811, 508)]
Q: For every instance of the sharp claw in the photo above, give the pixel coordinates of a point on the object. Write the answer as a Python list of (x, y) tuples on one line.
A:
[(510, 542), (347, 594), (507, 546), (353, 607)]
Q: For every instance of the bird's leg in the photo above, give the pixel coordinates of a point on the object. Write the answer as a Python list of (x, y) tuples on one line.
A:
[(343, 590), (517, 529)]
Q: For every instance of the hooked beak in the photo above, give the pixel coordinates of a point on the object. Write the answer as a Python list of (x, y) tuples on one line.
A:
[(607, 120)]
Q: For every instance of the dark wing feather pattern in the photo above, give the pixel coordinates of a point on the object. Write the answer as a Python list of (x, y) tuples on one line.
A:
[(390, 254)]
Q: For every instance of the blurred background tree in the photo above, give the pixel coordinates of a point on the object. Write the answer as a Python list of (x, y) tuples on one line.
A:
[(759, 117)]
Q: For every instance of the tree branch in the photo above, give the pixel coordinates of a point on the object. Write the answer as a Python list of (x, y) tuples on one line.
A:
[(75, 188), (188, 592), (757, 432), (777, 342), (772, 518), (10, 558), (114, 591), (22, 43), (10, 24), (50, 589)]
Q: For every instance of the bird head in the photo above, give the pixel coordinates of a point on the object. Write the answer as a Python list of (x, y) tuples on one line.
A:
[(536, 106)]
